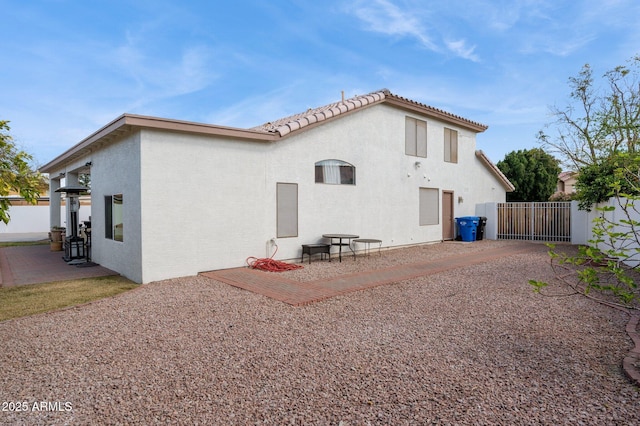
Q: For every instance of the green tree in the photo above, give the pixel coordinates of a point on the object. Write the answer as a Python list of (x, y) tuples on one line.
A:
[(16, 174), (600, 181), (603, 145), (597, 123), (534, 173), (606, 270)]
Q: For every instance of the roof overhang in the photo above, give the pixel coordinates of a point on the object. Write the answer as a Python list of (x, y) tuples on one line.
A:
[(435, 113), (128, 123), (496, 171)]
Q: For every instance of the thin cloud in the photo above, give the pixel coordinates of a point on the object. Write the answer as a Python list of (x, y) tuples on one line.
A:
[(178, 73), (385, 17), (460, 48)]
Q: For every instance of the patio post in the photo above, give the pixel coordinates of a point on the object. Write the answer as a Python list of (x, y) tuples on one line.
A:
[(54, 202)]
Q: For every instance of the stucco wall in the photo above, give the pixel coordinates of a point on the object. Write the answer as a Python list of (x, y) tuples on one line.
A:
[(208, 203), (384, 202), (203, 202), (116, 170)]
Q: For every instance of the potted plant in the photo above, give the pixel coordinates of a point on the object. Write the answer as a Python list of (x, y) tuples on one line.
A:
[(55, 238)]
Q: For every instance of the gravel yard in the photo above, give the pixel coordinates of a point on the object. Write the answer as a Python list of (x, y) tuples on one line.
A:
[(473, 345)]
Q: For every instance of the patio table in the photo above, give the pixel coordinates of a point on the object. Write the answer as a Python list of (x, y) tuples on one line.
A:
[(340, 238), (367, 244)]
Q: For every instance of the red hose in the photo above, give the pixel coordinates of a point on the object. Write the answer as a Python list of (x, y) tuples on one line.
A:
[(270, 265)]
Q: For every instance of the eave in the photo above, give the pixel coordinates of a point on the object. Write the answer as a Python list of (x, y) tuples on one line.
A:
[(496, 171), (408, 104), (128, 123)]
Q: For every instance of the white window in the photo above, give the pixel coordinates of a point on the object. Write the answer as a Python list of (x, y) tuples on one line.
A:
[(429, 206), (113, 224), (336, 172), (415, 137), (450, 145)]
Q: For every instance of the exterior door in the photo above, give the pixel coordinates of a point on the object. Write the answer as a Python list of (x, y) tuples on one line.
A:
[(448, 222)]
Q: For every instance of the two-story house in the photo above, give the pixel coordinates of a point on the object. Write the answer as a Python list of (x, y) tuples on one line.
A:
[(173, 198)]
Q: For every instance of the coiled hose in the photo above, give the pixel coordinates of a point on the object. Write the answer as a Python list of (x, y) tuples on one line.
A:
[(270, 265)]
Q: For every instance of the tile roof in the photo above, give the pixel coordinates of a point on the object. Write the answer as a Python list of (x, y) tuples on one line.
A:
[(496, 171), (565, 176), (289, 124), (268, 132), (284, 126), (436, 112)]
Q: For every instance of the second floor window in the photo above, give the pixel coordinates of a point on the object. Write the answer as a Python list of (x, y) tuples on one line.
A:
[(450, 145), (415, 137)]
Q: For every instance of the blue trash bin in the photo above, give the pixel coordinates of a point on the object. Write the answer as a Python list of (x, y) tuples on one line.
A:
[(468, 227)]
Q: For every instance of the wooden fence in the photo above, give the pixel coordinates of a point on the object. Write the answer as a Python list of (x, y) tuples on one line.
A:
[(548, 221)]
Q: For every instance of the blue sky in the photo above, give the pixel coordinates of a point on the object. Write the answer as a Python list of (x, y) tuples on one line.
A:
[(70, 67)]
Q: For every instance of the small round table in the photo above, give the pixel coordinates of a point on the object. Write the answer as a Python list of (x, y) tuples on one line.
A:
[(341, 237), (367, 244)]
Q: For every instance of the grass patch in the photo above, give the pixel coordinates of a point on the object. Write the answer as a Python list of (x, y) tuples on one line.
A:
[(25, 300), (23, 243)]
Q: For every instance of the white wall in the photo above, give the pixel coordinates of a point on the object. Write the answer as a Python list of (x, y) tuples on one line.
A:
[(204, 202), (116, 170), (208, 203), (580, 225), (616, 215), (25, 219), (490, 211), (384, 202)]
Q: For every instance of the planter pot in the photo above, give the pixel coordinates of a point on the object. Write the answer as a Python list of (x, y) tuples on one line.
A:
[(55, 237)]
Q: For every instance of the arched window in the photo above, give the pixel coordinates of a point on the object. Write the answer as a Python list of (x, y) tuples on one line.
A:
[(335, 172)]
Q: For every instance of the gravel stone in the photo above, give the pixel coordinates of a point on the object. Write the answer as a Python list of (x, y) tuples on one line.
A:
[(473, 345)]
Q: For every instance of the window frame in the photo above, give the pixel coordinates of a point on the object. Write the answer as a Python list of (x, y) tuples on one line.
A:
[(286, 210), (450, 145), (415, 137), (345, 175), (114, 211), (428, 206)]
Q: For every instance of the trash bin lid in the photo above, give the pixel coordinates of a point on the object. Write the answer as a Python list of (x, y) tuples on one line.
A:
[(474, 219)]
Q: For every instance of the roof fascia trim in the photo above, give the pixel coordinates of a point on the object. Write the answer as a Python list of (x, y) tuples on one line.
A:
[(146, 122), (496, 171), (198, 128), (85, 143), (434, 113)]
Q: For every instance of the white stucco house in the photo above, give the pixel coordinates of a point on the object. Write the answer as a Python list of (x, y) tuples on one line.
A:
[(173, 198)]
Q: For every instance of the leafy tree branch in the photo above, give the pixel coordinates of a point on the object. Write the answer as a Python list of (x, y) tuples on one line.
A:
[(16, 174)]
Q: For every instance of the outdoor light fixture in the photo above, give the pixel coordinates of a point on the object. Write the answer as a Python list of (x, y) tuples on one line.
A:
[(88, 164), (417, 164), (73, 244)]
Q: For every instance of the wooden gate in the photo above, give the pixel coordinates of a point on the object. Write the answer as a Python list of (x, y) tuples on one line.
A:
[(550, 221)]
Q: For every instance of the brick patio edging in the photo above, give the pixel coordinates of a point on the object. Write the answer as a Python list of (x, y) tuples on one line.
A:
[(300, 293), (632, 360)]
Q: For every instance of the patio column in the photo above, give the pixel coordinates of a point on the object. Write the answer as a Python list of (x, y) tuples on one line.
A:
[(54, 202)]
